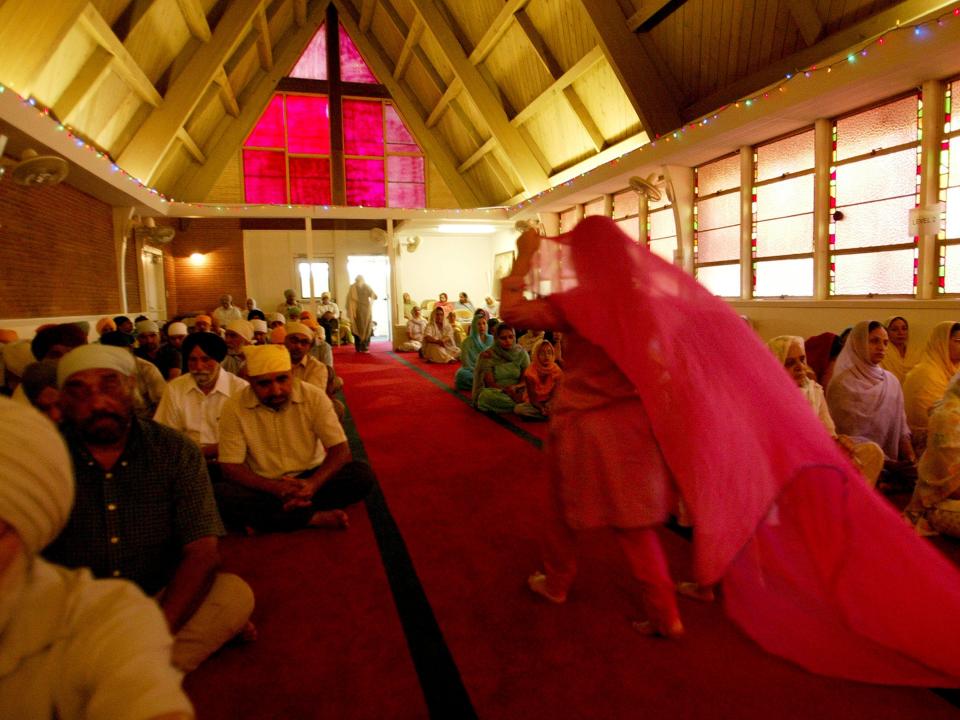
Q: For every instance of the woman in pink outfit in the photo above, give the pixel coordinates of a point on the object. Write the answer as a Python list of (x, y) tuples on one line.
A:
[(665, 387)]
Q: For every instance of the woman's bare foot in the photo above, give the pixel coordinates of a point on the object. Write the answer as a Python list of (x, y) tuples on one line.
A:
[(673, 630), (696, 591), (538, 584), (249, 633), (330, 519)]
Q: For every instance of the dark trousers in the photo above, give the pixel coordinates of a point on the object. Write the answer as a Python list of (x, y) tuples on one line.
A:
[(330, 327), (360, 345), (242, 507)]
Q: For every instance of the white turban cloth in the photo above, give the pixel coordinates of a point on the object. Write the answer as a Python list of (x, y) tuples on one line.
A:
[(243, 328), (263, 359), (16, 356), (177, 328), (300, 328), (36, 477), (145, 327), (95, 357), (259, 325)]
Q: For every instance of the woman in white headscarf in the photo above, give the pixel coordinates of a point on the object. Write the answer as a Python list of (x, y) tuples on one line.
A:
[(927, 382), (70, 646)]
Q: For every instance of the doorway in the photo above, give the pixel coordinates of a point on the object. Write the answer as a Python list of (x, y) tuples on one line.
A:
[(154, 288), (376, 272)]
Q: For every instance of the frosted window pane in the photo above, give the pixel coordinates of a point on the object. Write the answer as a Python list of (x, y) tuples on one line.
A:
[(594, 207), (352, 66), (398, 136), (631, 226), (881, 273), (785, 236), (954, 177), (883, 127), (877, 178), (363, 127), (268, 132), (953, 212), (719, 175), (567, 220), (308, 124), (952, 270), (787, 197), (662, 224), (722, 280), (304, 271), (718, 211), (313, 63), (407, 195), (873, 224), (664, 247), (365, 182), (404, 168), (310, 181), (625, 203), (789, 155), (717, 245), (785, 277), (264, 176)]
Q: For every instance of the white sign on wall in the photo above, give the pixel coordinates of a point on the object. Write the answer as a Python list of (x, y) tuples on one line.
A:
[(924, 221)]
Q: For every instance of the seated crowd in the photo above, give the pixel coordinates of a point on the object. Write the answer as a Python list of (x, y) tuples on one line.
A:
[(153, 440)]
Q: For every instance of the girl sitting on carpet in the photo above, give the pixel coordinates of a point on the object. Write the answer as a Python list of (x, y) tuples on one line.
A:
[(477, 341), (542, 379), (497, 383)]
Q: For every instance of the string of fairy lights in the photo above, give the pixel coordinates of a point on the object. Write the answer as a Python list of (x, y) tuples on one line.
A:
[(917, 29)]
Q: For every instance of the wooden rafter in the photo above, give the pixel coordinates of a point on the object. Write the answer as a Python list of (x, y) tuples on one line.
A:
[(145, 151), (264, 44), (27, 37), (453, 89), (300, 12), (366, 14), (500, 24), (804, 14), (195, 18), (652, 13), (191, 145), (902, 13), (437, 151), (417, 51), (413, 37), (531, 174), (93, 72), (227, 95), (639, 76)]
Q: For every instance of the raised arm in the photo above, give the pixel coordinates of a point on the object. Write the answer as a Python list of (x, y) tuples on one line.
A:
[(514, 307)]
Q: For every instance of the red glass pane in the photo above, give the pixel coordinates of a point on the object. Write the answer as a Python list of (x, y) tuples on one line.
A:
[(352, 66), (399, 138), (310, 181), (408, 195), (363, 127), (313, 63), (268, 132), (404, 168), (365, 182), (264, 176), (308, 124)]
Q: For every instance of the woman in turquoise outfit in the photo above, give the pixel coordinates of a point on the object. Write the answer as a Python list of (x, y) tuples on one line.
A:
[(475, 343), (498, 377)]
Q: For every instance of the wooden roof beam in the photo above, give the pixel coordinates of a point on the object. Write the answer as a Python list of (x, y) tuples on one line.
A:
[(191, 146), (195, 18), (366, 15), (436, 150), (149, 145), (453, 89), (498, 27), (227, 96), (93, 72), (639, 76), (413, 37), (527, 168), (804, 14), (300, 12), (264, 45), (28, 35), (652, 13)]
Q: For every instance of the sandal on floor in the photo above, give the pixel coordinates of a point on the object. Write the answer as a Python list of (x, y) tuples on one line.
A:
[(696, 591), (538, 584)]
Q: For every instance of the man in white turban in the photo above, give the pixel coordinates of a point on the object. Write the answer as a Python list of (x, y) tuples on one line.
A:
[(70, 646), (238, 335), (164, 357), (283, 452), (145, 509)]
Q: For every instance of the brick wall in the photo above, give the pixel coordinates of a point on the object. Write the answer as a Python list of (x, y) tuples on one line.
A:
[(57, 254), (199, 287)]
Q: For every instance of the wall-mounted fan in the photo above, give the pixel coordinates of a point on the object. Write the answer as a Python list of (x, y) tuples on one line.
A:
[(411, 244), (379, 236), (149, 232), (34, 169)]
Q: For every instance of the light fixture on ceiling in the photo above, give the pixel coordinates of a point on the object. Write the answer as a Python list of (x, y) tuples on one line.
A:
[(465, 229)]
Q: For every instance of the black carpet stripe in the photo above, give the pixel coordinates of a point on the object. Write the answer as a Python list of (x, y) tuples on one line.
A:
[(443, 688), (518, 431)]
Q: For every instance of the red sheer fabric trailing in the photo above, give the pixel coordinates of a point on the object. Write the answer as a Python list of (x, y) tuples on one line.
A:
[(268, 132), (312, 65), (815, 566), (310, 181), (264, 176), (365, 182), (353, 68), (308, 124)]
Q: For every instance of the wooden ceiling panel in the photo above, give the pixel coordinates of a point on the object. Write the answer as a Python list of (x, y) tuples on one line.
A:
[(404, 9), (451, 130), (228, 188), (63, 66), (157, 38), (488, 185), (95, 111), (497, 162), (116, 131), (177, 161), (607, 103), (512, 52), (565, 28), (279, 18), (390, 39), (434, 54), (421, 84), (558, 133), (243, 65), (467, 112), (473, 18), (206, 117), (111, 9)]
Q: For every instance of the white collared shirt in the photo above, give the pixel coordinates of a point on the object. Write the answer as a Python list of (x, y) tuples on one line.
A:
[(330, 307), (186, 408)]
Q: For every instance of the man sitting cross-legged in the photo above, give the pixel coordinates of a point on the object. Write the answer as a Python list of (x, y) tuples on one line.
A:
[(144, 508), (283, 453)]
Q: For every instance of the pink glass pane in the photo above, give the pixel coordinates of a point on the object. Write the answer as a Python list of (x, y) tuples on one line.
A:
[(405, 168), (877, 178), (398, 136), (880, 273), (719, 211), (631, 226), (310, 181), (664, 247), (785, 277), (268, 132), (363, 127), (718, 175), (785, 236), (787, 197), (568, 219), (883, 127), (953, 213), (717, 245), (789, 155), (313, 63), (625, 203), (873, 224), (722, 280), (407, 195), (365, 182), (308, 124), (264, 176), (662, 224), (594, 207), (952, 270), (352, 66)]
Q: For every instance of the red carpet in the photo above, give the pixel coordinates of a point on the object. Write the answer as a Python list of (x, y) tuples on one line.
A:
[(466, 493)]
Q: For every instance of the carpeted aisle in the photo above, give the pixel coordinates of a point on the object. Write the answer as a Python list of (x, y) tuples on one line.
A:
[(465, 493)]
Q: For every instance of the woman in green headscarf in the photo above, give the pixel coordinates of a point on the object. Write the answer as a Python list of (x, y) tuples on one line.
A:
[(498, 377), (475, 343)]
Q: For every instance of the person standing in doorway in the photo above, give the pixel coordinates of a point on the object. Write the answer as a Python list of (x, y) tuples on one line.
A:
[(360, 311)]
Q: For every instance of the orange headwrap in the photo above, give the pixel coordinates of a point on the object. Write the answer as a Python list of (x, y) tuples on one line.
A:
[(8, 336)]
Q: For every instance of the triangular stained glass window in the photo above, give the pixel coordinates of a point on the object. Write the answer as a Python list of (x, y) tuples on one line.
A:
[(312, 65)]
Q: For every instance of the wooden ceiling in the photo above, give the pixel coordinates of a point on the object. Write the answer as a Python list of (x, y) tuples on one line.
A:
[(501, 94)]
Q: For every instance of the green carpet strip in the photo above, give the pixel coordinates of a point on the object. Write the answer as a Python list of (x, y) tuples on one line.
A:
[(443, 688)]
